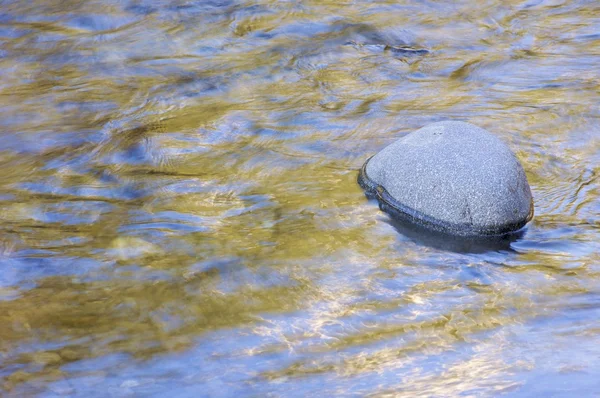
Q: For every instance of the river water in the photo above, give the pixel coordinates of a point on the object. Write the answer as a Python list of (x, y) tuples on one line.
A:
[(180, 214)]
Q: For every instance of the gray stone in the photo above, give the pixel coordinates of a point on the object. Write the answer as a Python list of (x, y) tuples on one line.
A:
[(453, 177)]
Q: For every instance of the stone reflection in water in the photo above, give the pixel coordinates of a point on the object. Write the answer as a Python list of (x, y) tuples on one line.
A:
[(427, 237), (180, 214)]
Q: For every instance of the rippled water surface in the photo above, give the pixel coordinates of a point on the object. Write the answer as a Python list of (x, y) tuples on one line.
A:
[(180, 213)]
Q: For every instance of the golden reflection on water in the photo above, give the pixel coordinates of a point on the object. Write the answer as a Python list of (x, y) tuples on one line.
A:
[(180, 209)]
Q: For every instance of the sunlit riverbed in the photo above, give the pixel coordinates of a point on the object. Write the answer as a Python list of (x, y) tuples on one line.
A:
[(180, 213)]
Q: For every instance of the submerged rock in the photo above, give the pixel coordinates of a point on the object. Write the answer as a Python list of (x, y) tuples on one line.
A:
[(453, 177), (400, 43)]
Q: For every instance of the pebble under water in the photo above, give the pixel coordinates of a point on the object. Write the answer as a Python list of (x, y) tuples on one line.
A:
[(180, 213)]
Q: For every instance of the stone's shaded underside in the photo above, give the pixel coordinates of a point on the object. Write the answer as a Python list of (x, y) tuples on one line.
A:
[(453, 177)]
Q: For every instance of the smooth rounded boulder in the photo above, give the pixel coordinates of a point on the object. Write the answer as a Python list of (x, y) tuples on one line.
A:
[(452, 177)]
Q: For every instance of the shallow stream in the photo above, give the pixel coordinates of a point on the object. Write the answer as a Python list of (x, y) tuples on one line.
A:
[(180, 215)]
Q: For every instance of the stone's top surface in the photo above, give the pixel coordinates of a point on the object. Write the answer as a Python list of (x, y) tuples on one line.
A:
[(456, 173)]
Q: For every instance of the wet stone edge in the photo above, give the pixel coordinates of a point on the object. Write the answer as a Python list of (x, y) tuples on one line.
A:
[(397, 210)]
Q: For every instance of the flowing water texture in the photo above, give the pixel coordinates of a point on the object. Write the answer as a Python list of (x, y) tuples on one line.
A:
[(180, 214)]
